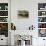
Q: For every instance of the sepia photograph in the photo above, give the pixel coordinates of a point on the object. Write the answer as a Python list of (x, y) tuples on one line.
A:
[(23, 14)]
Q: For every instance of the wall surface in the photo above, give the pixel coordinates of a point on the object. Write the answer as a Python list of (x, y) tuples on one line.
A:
[(23, 24)]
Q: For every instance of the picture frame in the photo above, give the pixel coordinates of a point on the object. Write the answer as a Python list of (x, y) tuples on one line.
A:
[(23, 14)]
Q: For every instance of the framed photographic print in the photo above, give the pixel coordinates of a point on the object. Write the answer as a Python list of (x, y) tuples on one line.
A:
[(41, 6), (42, 33), (3, 19), (23, 14), (4, 29)]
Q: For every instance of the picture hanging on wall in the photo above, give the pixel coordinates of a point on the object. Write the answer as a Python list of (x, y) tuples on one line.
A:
[(42, 32), (4, 29), (23, 14)]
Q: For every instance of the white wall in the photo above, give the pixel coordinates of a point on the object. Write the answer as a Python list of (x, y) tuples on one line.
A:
[(23, 24), (4, 41)]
